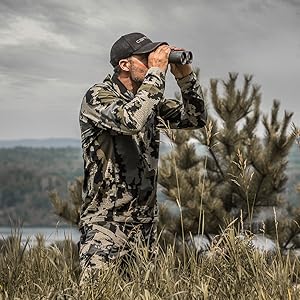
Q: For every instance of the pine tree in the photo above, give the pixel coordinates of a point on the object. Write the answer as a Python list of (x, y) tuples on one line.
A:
[(240, 175)]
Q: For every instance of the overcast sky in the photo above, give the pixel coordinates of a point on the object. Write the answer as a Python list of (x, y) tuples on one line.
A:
[(51, 52)]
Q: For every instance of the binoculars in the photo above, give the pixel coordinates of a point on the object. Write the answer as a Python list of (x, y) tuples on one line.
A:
[(180, 57)]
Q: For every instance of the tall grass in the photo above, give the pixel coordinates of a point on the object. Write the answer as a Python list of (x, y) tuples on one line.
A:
[(232, 269)]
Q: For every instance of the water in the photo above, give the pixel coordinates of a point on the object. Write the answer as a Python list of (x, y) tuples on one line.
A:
[(50, 234)]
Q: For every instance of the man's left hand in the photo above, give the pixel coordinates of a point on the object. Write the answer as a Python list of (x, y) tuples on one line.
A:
[(180, 71)]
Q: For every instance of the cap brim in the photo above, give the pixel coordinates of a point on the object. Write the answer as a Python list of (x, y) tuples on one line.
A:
[(149, 47)]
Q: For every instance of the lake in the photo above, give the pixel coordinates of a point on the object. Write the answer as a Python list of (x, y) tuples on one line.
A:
[(50, 234)]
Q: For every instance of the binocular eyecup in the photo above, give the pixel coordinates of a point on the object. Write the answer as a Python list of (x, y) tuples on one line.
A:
[(180, 57)]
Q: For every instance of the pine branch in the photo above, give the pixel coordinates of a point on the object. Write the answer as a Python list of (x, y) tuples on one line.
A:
[(216, 161)]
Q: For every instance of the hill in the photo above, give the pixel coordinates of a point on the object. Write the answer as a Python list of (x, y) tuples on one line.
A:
[(41, 143), (28, 174)]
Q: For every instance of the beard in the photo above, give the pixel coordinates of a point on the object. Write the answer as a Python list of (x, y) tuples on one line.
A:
[(137, 80), (137, 76)]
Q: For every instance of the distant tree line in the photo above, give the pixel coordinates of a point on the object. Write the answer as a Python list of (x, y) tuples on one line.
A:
[(27, 175)]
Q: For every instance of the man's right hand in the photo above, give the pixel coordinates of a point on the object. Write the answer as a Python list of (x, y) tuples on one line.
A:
[(160, 58)]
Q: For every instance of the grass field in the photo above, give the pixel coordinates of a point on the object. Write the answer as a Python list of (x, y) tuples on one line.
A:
[(232, 269)]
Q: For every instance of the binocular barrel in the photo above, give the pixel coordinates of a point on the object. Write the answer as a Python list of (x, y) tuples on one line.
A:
[(180, 57)]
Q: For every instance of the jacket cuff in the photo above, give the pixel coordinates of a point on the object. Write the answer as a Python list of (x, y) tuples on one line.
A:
[(155, 76), (187, 83)]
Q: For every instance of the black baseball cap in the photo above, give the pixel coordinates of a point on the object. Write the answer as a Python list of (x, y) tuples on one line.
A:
[(129, 44)]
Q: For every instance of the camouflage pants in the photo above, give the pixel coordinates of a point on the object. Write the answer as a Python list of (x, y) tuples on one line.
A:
[(105, 242)]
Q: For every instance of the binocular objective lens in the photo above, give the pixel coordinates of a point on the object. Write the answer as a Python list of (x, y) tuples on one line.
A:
[(183, 58), (189, 56)]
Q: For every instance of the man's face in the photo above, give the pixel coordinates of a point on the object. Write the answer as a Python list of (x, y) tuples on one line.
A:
[(138, 67)]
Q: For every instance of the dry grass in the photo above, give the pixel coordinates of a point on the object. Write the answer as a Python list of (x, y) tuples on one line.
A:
[(231, 270)]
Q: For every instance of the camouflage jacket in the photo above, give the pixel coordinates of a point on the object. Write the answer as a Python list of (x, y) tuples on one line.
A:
[(120, 142)]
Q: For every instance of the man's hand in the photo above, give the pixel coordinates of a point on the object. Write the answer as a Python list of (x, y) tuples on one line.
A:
[(180, 71), (159, 58)]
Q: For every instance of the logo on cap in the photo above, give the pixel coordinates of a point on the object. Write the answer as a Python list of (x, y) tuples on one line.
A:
[(141, 39)]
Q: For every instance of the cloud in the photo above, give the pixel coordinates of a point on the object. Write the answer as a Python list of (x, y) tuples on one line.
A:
[(52, 51), (23, 31)]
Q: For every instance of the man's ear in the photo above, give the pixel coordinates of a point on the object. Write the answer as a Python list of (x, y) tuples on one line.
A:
[(124, 65)]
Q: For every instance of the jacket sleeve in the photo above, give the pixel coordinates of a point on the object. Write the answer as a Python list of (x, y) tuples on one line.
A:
[(190, 112), (108, 112)]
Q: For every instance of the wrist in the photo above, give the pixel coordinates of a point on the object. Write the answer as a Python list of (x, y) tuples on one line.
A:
[(183, 75), (186, 83)]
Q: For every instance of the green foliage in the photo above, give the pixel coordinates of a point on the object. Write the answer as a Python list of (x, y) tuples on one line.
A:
[(69, 209), (293, 170), (238, 174), (232, 269)]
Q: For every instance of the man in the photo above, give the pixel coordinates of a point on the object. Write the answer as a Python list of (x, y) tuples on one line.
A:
[(120, 120)]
